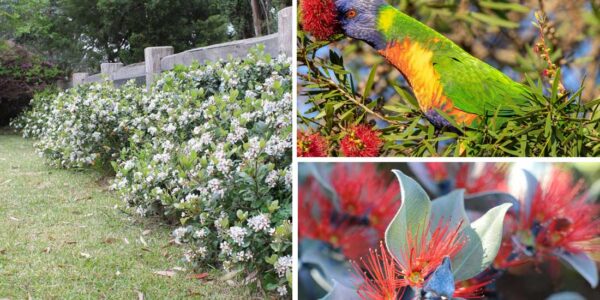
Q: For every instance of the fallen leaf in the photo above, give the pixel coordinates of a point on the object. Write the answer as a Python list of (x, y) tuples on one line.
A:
[(47, 250), (86, 255), (143, 241), (198, 276), (140, 295), (179, 269), (168, 273), (126, 241), (14, 219), (146, 249), (118, 273), (170, 243), (109, 240), (146, 232), (251, 277), (230, 275), (2, 251)]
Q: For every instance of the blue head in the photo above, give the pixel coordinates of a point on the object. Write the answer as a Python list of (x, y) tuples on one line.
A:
[(358, 19)]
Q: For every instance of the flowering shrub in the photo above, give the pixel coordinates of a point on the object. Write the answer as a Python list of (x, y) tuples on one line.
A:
[(210, 147), (83, 126)]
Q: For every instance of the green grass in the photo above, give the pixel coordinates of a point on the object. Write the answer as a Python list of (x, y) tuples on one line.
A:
[(51, 220)]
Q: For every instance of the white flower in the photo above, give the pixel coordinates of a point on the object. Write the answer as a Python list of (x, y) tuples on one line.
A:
[(128, 165), (226, 248), (179, 234), (201, 233), (283, 264), (96, 136), (272, 178), (259, 222), (237, 234), (253, 150), (170, 128), (282, 290)]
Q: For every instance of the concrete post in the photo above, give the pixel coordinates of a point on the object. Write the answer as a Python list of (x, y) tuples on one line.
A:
[(285, 29), (108, 68), (78, 78), (152, 58)]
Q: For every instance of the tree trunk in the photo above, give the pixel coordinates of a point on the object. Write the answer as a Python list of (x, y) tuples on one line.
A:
[(256, 20)]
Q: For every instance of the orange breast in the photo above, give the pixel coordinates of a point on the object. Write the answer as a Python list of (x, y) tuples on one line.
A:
[(415, 63)]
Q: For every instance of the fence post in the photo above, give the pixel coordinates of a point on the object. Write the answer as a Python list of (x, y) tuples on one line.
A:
[(152, 58), (78, 78), (285, 30), (109, 68)]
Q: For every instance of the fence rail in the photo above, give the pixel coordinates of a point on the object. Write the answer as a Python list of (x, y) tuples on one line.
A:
[(159, 59)]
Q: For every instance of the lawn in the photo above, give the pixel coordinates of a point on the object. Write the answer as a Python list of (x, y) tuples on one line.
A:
[(64, 235)]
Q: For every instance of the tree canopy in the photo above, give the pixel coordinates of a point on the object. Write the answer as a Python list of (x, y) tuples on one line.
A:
[(79, 34)]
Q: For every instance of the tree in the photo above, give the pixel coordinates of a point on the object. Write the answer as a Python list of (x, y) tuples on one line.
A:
[(21, 75)]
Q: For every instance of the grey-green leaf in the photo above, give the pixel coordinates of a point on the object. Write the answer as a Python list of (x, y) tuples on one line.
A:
[(583, 264), (484, 238), (449, 209), (340, 292), (413, 216)]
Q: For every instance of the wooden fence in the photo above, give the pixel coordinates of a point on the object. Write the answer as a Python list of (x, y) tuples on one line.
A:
[(159, 59)]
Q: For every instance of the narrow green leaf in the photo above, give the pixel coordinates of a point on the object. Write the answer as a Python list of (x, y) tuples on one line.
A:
[(495, 21), (369, 85), (505, 6)]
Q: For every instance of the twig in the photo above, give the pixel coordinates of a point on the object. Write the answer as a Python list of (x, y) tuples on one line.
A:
[(331, 84)]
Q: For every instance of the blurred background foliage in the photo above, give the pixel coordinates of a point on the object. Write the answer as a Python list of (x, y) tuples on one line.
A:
[(77, 35), (501, 33)]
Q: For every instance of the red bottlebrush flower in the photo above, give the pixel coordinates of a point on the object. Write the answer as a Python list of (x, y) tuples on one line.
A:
[(319, 222), (319, 18), (560, 217), (380, 280), (364, 192), (437, 171), (311, 145), (490, 177), (361, 141), (427, 253), (368, 200)]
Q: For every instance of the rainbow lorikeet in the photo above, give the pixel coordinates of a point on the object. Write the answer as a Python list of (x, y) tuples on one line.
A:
[(442, 76)]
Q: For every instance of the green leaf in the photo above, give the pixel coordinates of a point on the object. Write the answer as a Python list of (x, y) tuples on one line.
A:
[(413, 216), (369, 85), (505, 6), (495, 21)]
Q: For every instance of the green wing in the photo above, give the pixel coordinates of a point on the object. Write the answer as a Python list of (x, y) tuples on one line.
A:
[(476, 87)]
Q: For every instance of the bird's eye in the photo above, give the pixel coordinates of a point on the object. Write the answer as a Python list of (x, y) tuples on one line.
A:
[(351, 14)]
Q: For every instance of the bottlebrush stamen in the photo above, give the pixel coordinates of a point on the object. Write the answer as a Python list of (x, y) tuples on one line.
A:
[(319, 18), (380, 280), (426, 254)]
